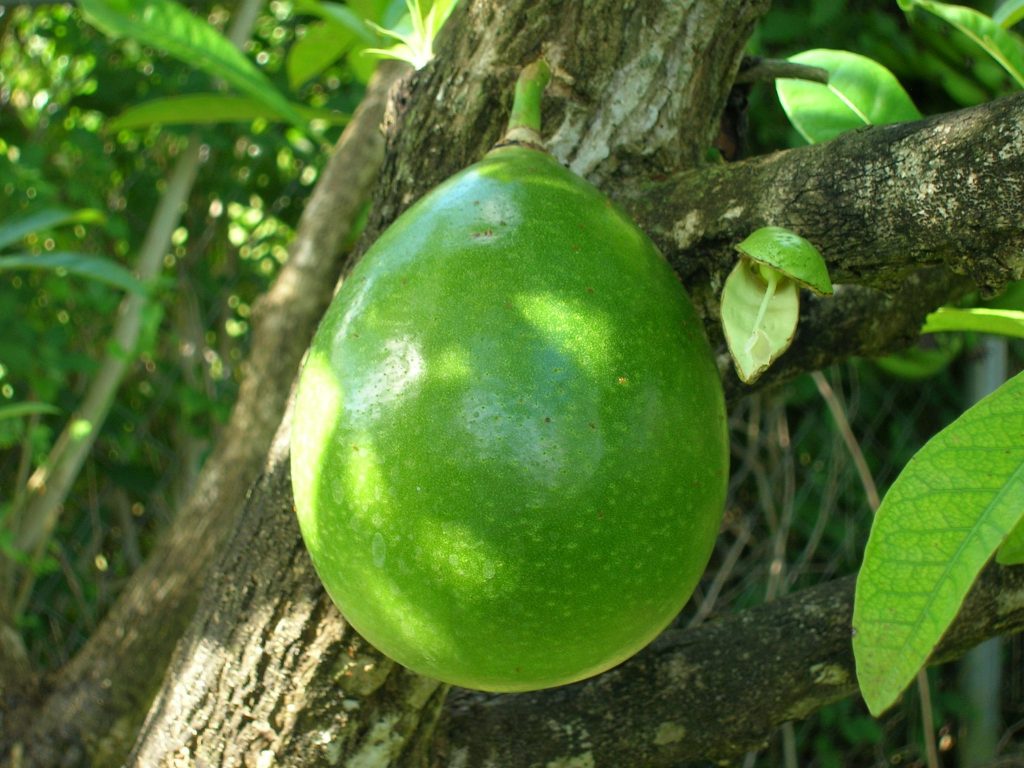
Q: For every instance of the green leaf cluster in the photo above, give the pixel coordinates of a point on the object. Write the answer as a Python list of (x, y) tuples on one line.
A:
[(961, 498)]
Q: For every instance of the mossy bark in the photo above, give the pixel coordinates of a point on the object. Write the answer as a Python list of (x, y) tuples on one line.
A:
[(709, 693)]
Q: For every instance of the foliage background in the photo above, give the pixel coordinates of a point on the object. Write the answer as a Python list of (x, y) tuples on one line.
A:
[(798, 510)]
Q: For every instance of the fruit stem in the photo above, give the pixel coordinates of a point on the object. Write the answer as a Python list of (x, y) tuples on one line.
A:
[(772, 277), (524, 121)]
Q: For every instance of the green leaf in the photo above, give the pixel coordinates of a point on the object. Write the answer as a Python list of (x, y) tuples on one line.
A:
[(1004, 322), (415, 33), (1012, 297), (760, 310), (1012, 551), (18, 410), (210, 108), (171, 28), (792, 255), (38, 221), (322, 45), (860, 92), (929, 357), (93, 267), (941, 521), (1006, 47), (341, 15), (1009, 13)]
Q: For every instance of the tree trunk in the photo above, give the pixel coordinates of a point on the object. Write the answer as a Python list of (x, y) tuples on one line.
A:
[(269, 674)]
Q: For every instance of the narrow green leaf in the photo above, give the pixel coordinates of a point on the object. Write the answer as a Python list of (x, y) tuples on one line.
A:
[(1009, 13), (438, 14), (209, 109), (93, 267), (340, 14), (1006, 47), (924, 360), (1004, 322), (860, 92), (169, 27), (18, 229), (18, 410), (963, 89), (1012, 551), (941, 521), (322, 45)]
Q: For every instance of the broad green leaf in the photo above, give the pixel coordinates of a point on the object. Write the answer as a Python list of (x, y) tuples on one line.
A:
[(341, 15), (13, 231), (322, 45), (1004, 322), (18, 410), (169, 27), (210, 108), (1009, 13), (962, 54), (759, 317), (1006, 47), (964, 90), (789, 253), (1012, 551), (947, 513), (93, 267), (1012, 297), (860, 92)]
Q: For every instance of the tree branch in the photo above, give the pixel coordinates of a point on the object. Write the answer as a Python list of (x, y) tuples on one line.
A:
[(879, 203), (712, 692)]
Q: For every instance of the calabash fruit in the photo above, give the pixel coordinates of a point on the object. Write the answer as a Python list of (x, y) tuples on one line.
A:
[(509, 450)]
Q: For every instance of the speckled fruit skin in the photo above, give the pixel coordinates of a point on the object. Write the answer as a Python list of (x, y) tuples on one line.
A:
[(509, 450)]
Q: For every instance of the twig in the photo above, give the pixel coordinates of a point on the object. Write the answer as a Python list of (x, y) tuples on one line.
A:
[(724, 572), (760, 70), (927, 718), (834, 406)]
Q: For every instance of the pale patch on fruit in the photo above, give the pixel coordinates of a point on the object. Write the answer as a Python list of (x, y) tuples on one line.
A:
[(576, 329), (452, 365), (669, 733), (379, 550), (316, 412), (457, 550), (364, 480), (500, 215), (388, 381)]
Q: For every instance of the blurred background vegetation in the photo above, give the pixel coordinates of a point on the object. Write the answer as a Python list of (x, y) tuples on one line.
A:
[(807, 458)]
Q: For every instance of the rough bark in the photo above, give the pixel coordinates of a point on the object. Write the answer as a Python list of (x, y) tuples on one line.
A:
[(712, 692), (94, 705), (879, 203), (270, 672), (638, 88)]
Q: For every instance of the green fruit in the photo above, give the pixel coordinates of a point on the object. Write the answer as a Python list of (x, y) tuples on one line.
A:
[(509, 448)]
